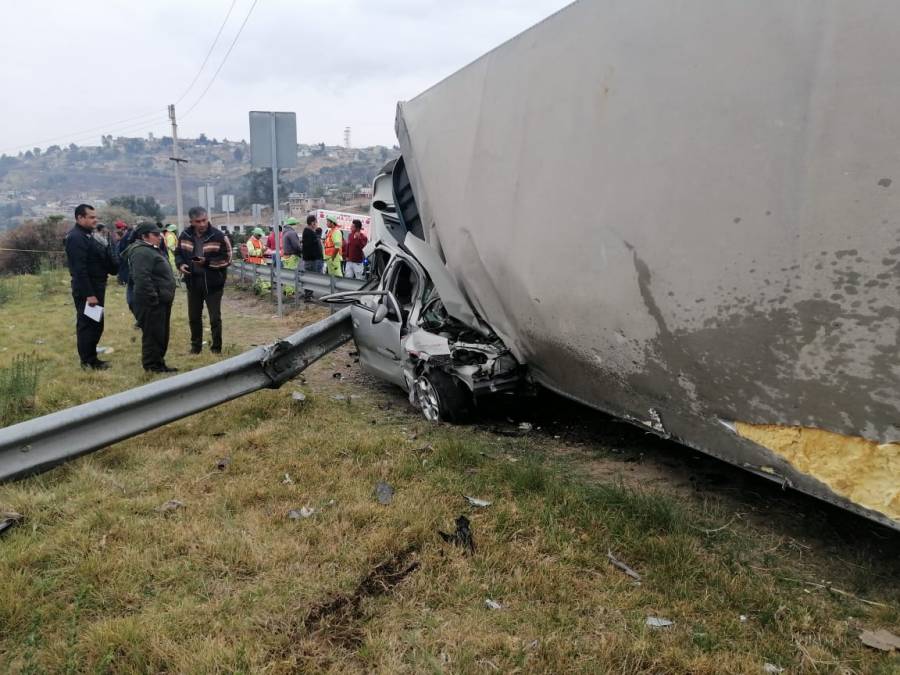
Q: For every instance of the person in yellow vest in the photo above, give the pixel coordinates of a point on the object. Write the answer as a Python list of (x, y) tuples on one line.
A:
[(333, 243), (256, 247), (170, 239)]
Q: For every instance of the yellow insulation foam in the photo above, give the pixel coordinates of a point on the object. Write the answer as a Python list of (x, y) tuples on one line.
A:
[(863, 471)]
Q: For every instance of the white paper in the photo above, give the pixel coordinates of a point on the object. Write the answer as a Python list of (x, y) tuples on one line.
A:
[(95, 312)]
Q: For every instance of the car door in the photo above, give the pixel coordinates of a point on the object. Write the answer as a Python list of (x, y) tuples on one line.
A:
[(378, 342)]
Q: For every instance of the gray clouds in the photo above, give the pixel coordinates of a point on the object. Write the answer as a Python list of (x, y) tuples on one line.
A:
[(72, 67)]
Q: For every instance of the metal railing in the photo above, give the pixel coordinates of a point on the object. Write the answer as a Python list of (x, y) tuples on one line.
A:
[(41, 443), (301, 281)]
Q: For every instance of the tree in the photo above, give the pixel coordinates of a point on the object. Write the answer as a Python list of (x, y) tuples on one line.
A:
[(108, 215), (37, 242), (202, 140), (256, 188), (146, 207)]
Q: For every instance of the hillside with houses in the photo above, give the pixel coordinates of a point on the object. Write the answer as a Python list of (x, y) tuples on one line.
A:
[(51, 181)]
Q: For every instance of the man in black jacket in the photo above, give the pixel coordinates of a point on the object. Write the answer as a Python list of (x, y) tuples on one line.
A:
[(311, 245), (90, 262), (203, 256), (154, 292)]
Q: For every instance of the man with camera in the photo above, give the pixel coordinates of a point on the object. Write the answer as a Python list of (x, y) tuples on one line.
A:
[(203, 256)]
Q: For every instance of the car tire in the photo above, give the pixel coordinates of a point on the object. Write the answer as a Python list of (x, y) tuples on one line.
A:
[(441, 398)]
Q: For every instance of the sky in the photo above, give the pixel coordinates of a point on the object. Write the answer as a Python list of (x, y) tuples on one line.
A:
[(75, 70)]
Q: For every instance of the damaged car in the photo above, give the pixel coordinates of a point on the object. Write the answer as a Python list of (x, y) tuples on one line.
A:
[(405, 334)]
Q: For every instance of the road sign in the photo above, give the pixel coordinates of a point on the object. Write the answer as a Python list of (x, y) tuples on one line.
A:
[(273, 143), (228, 203), (206, 196), (261, 139)]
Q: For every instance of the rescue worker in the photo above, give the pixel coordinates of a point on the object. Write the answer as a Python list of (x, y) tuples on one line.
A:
[(333, 242), (256, 248), (203, 257), (89, 262), (291, 244), (170, 239), (154, 291)]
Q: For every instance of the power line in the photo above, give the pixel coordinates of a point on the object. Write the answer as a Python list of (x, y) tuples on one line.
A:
[(208, 53), (111, 126), (103, 127), (224, 60)]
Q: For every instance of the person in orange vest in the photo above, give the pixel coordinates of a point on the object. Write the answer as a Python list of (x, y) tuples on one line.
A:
[(333, 242), (256, 248)]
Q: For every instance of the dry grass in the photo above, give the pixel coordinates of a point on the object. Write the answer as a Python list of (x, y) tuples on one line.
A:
[(97, 579)]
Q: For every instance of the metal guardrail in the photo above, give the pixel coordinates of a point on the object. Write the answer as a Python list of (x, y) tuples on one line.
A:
[(301, 281), (41, 443)]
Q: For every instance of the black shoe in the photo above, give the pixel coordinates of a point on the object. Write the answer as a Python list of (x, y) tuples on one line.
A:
[(96, 365), (215, 350), (161, 369), (195, 350)]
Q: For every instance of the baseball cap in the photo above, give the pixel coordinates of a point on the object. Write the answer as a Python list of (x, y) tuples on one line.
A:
[(146, 228)]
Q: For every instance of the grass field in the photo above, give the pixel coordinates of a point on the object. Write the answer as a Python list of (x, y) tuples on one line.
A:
[(100, 578)]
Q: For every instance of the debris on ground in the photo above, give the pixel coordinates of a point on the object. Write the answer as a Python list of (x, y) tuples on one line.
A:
[(337, 620), (462, 536), (287, 480), (880, 639), (338, 376), (384, 493), (9, 519), (772, 668), (480, 503), (618, 564), (743, 618), (425, 449), (525, 427), (658, 622), (299, 397), (302, 512), (101, 350), (171, 505), (492, 604), (223, 463)]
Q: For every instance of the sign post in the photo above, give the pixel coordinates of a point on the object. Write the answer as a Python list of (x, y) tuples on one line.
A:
[(228, 207), (273, 143)]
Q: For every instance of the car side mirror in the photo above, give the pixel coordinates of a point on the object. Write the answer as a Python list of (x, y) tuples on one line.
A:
[(381, 312), (386, 308)]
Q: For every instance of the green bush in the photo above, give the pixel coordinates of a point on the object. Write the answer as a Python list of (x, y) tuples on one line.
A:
[(18, 386)]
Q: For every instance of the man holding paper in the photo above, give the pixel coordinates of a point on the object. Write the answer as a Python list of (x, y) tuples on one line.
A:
[(90, 262)]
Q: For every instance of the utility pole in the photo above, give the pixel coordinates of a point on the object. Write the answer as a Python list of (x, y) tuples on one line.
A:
[(179, 202)]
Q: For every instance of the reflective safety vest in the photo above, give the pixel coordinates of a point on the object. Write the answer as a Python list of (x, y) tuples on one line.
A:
[(171, 243), (255, 251), (330, 248)]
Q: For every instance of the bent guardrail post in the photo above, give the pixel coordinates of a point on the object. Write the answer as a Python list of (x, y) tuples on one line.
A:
[(41, 443)]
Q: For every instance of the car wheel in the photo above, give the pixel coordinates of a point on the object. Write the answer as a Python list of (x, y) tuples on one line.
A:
[(440, 398)]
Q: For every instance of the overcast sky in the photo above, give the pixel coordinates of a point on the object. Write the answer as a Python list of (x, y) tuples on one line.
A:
[(74, 70)]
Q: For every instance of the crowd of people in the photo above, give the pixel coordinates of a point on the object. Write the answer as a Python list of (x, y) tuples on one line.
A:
[(337, 253), (150, 261)]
